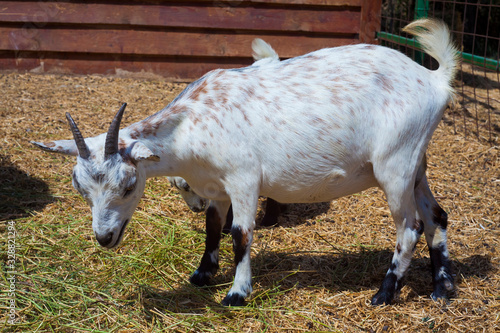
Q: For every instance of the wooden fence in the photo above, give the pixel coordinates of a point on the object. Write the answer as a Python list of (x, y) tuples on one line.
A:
[(175, 39)]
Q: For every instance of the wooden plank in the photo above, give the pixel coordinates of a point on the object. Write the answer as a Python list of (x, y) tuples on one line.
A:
[(157, 42), (287, 2), (370, 20), (40, 14), (173, 68)]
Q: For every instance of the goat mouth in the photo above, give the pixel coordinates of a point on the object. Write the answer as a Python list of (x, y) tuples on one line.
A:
[(120, 236), (198, 209)]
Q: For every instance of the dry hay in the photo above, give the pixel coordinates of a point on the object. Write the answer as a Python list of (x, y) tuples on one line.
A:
[(316, 271)]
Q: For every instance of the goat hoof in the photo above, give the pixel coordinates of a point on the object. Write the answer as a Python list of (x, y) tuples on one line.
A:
[(200, 279), (381, 298), (441, 290), (233, 300)]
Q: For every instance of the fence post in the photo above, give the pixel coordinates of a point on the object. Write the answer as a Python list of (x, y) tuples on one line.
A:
[(421, 11)]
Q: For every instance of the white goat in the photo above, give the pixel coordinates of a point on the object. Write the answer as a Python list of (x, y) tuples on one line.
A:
[(309, 129)]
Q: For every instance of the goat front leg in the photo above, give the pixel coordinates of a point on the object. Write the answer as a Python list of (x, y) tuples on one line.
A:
[(244, 210), (209, 265)]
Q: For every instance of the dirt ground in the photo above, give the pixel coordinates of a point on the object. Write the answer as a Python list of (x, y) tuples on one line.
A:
[(323, 262)]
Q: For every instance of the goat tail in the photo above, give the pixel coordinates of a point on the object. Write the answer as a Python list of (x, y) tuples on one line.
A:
[(262, 50), (435, 39)]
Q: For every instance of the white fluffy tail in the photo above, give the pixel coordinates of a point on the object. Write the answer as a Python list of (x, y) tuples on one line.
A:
[(262, 50), (435, 39)]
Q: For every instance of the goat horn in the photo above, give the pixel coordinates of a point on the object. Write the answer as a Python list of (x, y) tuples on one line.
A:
[(111, 145), (83, 150)]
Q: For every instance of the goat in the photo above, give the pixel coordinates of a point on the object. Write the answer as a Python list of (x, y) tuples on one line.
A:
[(308, 129), (193, 201), (198, 204)]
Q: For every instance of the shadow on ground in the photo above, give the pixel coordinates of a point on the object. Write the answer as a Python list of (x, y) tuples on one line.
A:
[(20, 193), (348, 271)]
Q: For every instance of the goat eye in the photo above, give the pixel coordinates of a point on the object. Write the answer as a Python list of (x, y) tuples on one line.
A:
[(78, 188), (186, 187), (129, 191)]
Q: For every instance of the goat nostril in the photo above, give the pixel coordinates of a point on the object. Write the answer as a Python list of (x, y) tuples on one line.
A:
[(104, 241)]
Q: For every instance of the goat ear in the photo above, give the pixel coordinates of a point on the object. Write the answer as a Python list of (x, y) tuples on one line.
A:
[(139, 152), (66, 147)]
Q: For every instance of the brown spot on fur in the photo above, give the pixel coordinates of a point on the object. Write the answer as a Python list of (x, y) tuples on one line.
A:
[(316, 121), (149, 127), (216, 119), (209, 102), (224, 99), (121, 144), (243, 112), (175, 109), (245, 239), (216, 86), (250, 92), (385, 82), (50, 144), (398, 248), (194, 118), (134, 135), (199, 91), (420, 82)]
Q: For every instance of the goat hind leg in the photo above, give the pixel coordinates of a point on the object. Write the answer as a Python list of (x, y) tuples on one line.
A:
[(435, 222), (273, 211)]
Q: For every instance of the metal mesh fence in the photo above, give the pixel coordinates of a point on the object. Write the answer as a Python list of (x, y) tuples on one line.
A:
[(475, 25)]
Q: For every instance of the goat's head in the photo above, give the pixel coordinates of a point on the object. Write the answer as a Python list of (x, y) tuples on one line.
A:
[(108, 174), (194, 201)]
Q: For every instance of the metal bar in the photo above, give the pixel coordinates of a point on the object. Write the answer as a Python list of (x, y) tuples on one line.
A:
[(467, 57), (421, 8), (388, 37), (421, 11)]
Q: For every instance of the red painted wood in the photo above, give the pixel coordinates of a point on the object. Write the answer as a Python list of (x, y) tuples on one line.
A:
[(173, 68), (370, 20), (176, 39), (42, 14), (157, 42)]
